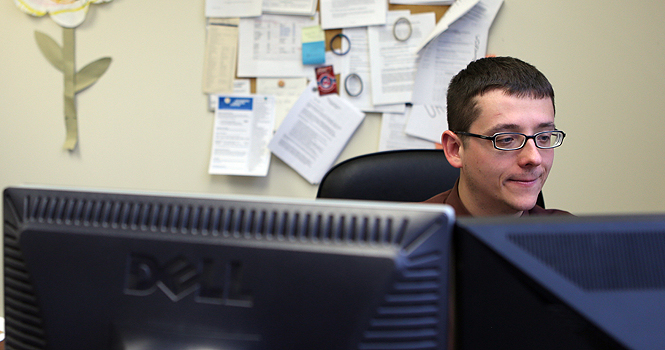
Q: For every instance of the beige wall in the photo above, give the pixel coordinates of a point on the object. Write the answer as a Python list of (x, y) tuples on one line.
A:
[(144, 124)]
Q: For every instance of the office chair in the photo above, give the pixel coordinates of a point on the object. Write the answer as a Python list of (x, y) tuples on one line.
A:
[(398, 176)]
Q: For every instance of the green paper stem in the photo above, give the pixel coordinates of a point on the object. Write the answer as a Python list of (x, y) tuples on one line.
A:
[(71, 122), (62, 58)]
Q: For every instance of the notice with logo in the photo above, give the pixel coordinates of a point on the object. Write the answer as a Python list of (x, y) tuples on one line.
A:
[(315, 132), (243, 127)]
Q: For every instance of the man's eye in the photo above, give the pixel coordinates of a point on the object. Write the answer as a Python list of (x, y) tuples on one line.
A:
[(544, 139), (505, 140)]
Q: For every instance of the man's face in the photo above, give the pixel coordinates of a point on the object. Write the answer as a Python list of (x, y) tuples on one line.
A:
[(495, 182)]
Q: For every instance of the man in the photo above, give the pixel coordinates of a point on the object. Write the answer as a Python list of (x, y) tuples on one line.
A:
[(502, 138)]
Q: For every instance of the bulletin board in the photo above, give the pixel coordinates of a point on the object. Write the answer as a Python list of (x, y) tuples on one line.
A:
[(438, 10)]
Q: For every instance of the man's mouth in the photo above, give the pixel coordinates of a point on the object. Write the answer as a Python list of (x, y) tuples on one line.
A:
[(525, 181)]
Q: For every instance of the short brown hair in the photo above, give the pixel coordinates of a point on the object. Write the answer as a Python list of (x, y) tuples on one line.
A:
[(513, 76)]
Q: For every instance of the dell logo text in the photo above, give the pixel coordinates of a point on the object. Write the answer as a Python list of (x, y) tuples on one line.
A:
[(210, 281)]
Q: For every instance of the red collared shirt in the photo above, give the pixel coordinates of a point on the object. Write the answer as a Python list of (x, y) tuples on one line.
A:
[(451, 197)]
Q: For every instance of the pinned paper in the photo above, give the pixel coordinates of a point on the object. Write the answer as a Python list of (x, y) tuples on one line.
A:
[(269, 49), (313, 45), (243, 127), (456, 10), (286, 92), (221, 51), (427, 122), (315, 132)]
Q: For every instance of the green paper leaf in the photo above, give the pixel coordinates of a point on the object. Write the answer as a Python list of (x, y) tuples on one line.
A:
[(50, 49), (89, 74)]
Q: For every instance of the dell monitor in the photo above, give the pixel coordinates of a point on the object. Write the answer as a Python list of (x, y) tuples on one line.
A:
[(89, 269), (556, 282)]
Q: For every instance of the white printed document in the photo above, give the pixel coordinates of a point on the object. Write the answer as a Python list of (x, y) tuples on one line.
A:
[(286, 92), (240, 87), (352, 13), (427, 122), (243, 127), (393, 61), (233, 8), (356, 61), (221, 51), (271, 46), (456, 10), (393, 135), (315, 132), (290, 7)]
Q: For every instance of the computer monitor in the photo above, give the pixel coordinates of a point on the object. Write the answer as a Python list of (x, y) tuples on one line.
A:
[(102, 270), (594, 282)]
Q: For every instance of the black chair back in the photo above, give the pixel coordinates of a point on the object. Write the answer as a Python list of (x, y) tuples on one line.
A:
[(398, 176)]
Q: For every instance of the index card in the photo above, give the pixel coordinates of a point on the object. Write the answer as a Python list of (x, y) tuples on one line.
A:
[(313, 45)]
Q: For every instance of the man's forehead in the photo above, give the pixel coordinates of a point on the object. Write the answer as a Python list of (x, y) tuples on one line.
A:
[(499, 112)]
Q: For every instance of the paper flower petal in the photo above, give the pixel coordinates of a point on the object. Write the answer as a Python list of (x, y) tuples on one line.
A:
[(66, 13)]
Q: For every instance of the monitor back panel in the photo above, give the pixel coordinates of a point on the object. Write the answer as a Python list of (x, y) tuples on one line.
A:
[(574, 283), (109, 270)]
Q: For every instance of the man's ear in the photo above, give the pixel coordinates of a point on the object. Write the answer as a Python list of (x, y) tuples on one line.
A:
[(453, 148)]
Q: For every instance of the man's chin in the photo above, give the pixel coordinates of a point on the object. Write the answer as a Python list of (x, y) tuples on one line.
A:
[(525, 203)]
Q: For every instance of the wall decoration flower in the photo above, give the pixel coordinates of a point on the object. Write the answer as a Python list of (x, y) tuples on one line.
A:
[(68, 14)]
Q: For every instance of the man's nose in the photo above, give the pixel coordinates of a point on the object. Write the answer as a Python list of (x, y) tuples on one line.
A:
[(530, 154)]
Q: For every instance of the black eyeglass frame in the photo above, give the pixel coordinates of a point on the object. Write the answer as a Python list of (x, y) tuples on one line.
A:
[(526, 138)]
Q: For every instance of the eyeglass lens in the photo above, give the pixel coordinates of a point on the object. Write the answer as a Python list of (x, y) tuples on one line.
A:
[(548, 139)]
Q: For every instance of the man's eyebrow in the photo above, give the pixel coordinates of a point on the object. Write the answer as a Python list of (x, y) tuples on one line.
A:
[(548, 125), (515, 128), (503, 128)]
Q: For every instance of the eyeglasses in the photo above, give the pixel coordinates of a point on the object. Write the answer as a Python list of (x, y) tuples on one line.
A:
[(510, 141)]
